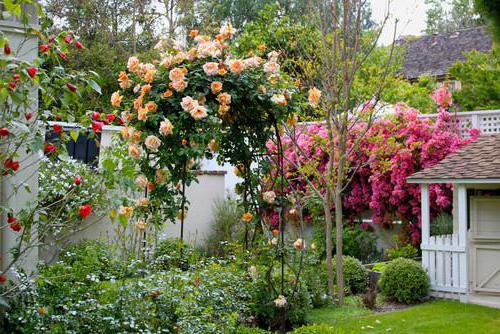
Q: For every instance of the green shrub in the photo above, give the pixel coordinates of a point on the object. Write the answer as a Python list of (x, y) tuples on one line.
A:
[(226, 227), (358, 243), (405, 281), (250, 330), (442, 224), (407, 252), (317, 285), (379, 267), (168, 254), (355, 275), (317, 329)]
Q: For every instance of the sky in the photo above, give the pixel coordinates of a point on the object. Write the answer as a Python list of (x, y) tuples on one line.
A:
[(410, 14)]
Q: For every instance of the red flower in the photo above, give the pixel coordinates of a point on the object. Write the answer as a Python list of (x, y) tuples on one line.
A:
[(10, 164), (67, 39), (96, 116), (120, 121), (71, 87), (110, 118), (28, 115), (58, 128), (6, 49), (4, 132), (85, 210), (16, 76), (3, 278), (44, 48), (78, 180), (184, 142), (49, 148), (16, 227), (32, 72), (151, 186), (78, 45), (97, 126), (11, 219), (12, 85), (63, 56)]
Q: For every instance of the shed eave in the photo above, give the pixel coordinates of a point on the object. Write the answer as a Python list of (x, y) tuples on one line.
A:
[(462, 181)]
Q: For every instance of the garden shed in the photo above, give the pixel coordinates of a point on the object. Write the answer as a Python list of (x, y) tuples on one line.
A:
[(466, 263)]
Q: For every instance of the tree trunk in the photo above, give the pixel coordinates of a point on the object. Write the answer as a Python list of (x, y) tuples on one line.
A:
[(339, 243), (329, 244)]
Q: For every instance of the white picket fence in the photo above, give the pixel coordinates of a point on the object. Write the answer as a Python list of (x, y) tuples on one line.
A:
[(444, 258), (488, 121)]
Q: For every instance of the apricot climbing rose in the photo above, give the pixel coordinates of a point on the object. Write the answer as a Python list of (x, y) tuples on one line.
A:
[(247, 217), (279, 99), (236, 66), (152, 142), (124, 81), (211, 68), (216, 87), (134, 151), (166, 127), (142, 115), (224, 98), (133, 64), (299, 244), (199, 112), (151, 106), (116, 99), (269, 197), (188, 103), (176, 74), (213, 145), (126, 211), (271, 67), (143, 201), (141, 181), (314, 96)]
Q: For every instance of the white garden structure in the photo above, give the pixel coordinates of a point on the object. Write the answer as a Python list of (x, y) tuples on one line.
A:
[(466, 264)]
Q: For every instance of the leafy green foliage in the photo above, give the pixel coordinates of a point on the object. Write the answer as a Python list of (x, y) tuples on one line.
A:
[(407, 252), (405, 281), (451, 15), (490, 10), (317, 329), (479, 76), (442, 224)]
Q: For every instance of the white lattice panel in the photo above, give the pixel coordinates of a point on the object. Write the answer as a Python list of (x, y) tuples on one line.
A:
[(489, 123)]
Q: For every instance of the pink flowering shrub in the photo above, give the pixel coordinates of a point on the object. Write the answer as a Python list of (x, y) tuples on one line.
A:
[(392, 149)]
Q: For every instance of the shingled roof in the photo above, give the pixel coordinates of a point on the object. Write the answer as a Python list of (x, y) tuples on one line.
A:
[(434, 54), (476, 162)]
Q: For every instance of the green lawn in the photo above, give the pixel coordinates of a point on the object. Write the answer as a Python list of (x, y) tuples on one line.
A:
[(432, 317)]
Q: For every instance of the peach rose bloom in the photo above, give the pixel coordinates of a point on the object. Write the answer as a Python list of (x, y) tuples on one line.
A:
[(211, 68), (227, 30), (152, 142), (168, 93), (166, 127), (126, 132), (124, 81), (236, 66), (252, 61), (127, 116), (199, 112), (143, 201), (161, 176), (247, 217), (176, 74), (314, 96), (138, 102), (271, 67), (141, 181), (141, 224), (116, 99), (224, 98), (142, 115), (188, 103), (216, 87), (180, 214), (134, 150), (151, 106), (223, 109), (299, 244), (279, 99), (194, 33), (133, 64), (126, 211), (136, 135), (145, 89), (222, 71), (149, 75), (213, 145), (179, 86)]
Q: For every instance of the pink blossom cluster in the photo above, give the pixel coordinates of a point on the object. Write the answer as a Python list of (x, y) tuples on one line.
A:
[(380, 161)]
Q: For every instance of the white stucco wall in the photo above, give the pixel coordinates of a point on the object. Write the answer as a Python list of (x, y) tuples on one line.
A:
[(27, 173)]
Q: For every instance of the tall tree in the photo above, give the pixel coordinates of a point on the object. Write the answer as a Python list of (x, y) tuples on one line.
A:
[(490, 10), (451, 15)]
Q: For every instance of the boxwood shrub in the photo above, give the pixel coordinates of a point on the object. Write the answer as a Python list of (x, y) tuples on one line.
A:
[(405, 281)]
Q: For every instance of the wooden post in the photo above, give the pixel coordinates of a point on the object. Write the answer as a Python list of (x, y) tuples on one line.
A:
[(462, 233)]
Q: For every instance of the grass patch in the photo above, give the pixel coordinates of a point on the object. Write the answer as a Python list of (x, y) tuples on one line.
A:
[(433, 317)]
